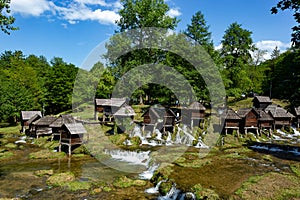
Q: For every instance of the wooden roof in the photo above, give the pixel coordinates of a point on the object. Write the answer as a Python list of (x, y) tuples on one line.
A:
[(196, 106), (44, 121), (263, 99), (297, 110), (117, 102), (125, 111), (244, 111), (26, 115), (34, 118), (62, 119), (159, 112), (278, 112), (231, 114), (75, 128), (264, 116)]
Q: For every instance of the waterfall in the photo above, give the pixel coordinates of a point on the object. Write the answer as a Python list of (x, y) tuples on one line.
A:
[(171, 195), (187, 138), (169, 139), (154, 190), (132, 157), (178, 138), (159, 134), (147, 175), (200, 143)]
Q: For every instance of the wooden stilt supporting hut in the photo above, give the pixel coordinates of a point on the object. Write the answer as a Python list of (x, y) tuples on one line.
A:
[(72, 134)]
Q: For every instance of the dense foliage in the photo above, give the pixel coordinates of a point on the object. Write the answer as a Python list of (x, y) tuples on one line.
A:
[(33, 83), (6, 20)]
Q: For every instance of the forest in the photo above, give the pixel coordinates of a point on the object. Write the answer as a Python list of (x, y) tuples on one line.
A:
[(31, 82)]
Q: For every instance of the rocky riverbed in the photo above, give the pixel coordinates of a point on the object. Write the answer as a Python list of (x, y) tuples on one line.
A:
[(33, 169)]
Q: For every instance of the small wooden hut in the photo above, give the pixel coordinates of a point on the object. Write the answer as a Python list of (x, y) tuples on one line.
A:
[(42, 126), (124, 115), (194, 115), (71, 134), (107, 107), (58, 123), (261, 102), (265, 121), (281, 116), (249, 119), (297, 116), (160, 118), (231, 121), (30, 123), (25, 116)]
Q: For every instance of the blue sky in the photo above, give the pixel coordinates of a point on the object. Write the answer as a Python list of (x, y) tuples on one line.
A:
[(71, 29)]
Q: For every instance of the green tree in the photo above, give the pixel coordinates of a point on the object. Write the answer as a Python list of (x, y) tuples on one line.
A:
[(295, 6), (137, 15), (237, 46), (198, 30), (59, 86), (6, 20)]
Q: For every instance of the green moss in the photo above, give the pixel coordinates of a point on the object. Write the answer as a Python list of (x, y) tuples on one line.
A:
[(136, 141), (252, 180), (77, 185), (165, 187), (203, 193), (61, 179), (197, 163), (107, 189), (296, 169), (44, 172), (267, 158), (162, 173), (46, 154), (11, 145), (118, 139), (124, 182), (6, 154)]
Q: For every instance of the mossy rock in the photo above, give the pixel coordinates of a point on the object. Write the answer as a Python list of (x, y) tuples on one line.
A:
[(165, 187), (162, 173), (107, 189), (136, 141), (11, 146), (61, 179), (44, 172), (42, 141), (139, 183), (46, 154), (80, 150), (6, 154), (78, 185), (296, 168), (118, 139), (203, 193), (123, 182), (267, 158)]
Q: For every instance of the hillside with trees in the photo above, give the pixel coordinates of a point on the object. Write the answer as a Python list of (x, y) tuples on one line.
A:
[(33, 83)]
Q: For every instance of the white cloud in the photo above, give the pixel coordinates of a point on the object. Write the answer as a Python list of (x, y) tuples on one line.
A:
[(174, 12), (72, 11), (30, 7), (270, 45)]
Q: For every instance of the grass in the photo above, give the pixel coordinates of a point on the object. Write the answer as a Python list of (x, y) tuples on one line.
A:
[(15, 129)]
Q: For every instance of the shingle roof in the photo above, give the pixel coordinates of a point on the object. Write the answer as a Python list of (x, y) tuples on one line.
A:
[(62, 119), (263, 99), (277, 112), (26, 115), (264, 116), (75, 128), (117, 102), (196, 106), (243, 112), (125, 111), (44, 121), (34, 118), (230, 114)]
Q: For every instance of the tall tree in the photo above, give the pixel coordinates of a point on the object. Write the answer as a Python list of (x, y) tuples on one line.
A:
[(237, 46), (137, 15), (295, 6), (198, 30), (6, 20)]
